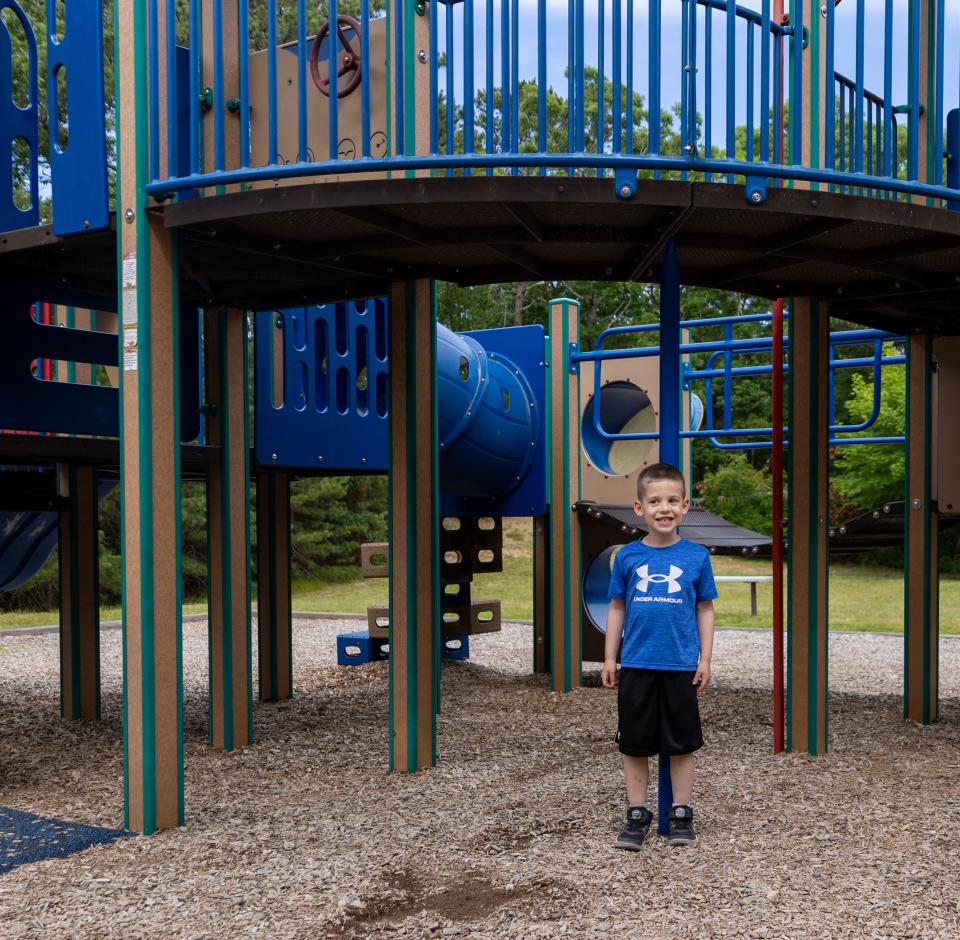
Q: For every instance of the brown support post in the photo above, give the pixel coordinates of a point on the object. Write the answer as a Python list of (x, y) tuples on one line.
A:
[(274, 615), (228, 526), (808, 532), (414, 526), (78, 550), (921, 623)]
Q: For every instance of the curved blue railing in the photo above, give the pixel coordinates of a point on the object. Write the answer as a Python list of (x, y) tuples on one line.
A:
[(500, 86)]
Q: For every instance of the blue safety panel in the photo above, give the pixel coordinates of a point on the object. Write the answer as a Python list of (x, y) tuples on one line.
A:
[(26, 838), (79, 171), (20, 123), (333, 413), (953, 155), (30, 404), (521, 350), (355, 649)]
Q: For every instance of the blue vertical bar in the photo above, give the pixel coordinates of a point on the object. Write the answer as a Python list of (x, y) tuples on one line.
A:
[(365, 78), (219, 102), (843, 126), (243, 42), (857, 158), (488, 46), (154, 44), (653, 59), (515, 81), (797, 103), (629, 115), (302, 71), (451, 92), (728, 378), (333, 66), (939, 72), (271, 78), (571, 77), (731, 124), (685, 67), (830, 107), (581, 49), (953, 160), (778, 46), (195, 164), (913, 90), (173, 91), (765, 41), (669, 436), (433, 11), (751, 154), (542, 79), (601, 41), (708, 85), (889, 134), (690, 136), (398, 79), (617, 66), (468, 145), (505, 111)]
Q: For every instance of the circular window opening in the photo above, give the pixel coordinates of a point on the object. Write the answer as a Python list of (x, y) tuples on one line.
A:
[(596, 584), (624, 409)]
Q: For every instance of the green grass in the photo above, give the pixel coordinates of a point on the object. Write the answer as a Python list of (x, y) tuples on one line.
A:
[(869, 599)]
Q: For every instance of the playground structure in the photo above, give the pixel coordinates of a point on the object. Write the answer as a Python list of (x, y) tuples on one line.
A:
[(437, 154)]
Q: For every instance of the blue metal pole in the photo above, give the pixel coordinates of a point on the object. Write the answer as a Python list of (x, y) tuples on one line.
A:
[(271, 77), (243, 51), (542, 79), (333, 60), (505, 113), (488, 123), (765, 41), (653, 51), (301, 84), (434, 78)]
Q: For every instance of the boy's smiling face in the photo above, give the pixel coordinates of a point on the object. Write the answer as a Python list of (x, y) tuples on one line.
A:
[(662, 506)]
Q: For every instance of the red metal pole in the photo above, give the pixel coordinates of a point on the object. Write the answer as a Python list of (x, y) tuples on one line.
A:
[(46, 317), (778, 692)]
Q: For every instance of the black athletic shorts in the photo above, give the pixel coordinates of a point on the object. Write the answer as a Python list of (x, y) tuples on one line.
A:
[(658, 713)]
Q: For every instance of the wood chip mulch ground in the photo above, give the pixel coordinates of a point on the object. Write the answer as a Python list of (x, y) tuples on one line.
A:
[(306, 835)]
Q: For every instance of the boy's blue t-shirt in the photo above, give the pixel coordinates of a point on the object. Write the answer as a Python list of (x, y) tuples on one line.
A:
[(660, 587)]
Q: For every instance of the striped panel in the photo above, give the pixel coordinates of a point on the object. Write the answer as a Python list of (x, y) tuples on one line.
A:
[(808, 547), (565, 658), (79, 596), (150, 462), (414, 527), (274, 616), (921, 617), (231, 679)]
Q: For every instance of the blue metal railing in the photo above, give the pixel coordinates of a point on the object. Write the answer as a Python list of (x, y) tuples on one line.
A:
[(610, 88), (493, 102), (723, 437)]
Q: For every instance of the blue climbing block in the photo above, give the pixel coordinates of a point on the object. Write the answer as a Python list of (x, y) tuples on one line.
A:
[(354, 649), (456, 646), (25, 838)]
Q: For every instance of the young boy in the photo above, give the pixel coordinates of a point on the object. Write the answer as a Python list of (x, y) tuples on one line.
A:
[(661, 602)]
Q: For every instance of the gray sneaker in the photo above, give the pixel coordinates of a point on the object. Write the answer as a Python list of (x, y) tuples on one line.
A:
[(635, 831), (681, 826)]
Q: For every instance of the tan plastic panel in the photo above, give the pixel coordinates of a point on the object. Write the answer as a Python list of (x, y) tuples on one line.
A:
[(602, 487), (349, 124)]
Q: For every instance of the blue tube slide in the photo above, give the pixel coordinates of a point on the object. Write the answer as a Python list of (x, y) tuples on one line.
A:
[(488, 419)]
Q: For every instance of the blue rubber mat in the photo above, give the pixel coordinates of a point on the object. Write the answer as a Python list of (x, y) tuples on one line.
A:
[(25, 838)]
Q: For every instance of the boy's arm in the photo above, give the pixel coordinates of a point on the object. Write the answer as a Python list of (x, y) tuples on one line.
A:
[(705, 627), (608, 675)]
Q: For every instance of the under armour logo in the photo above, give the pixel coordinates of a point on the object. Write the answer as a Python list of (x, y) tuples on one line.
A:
[(646, 579)]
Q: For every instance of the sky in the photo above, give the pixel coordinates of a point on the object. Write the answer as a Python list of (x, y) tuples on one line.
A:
[(670, 68)]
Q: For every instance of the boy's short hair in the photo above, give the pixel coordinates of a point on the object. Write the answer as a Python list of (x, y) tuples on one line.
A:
[(660, 471)]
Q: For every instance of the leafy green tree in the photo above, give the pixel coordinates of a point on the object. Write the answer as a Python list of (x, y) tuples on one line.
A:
[(739, 493), (867, 475)]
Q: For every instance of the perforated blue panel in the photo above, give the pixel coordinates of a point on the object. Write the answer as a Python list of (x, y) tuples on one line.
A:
[(333, 413), (79, 171), (18, 123), (30, 404)]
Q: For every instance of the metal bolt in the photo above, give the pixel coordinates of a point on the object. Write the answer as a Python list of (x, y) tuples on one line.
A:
[(755, 196), (625, 190), (422, 56), (128, 216), (86, 223), (915, 503), (273, 457), (363, 460), (319, 458)]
